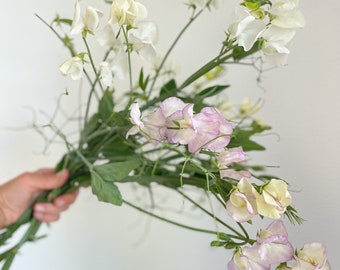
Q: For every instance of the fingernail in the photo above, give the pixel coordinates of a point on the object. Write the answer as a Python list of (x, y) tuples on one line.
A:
[(60, 203), (39, 208)]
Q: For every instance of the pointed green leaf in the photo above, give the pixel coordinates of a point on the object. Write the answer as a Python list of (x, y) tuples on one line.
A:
[(212, 91), (116, 171), (104, 190), (106, 105)]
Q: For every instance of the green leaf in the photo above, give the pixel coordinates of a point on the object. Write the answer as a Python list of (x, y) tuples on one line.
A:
[(106, 105), (104, 190), (212, 91), (116, 171), (169, 88)]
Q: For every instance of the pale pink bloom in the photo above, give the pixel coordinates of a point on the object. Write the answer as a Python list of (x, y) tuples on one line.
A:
[(151, 126), (179, 125), (230, 156), (234, 174), (312, 257), (247, 258), (213, 131), (241, 205), (274, 199), (273, 243)]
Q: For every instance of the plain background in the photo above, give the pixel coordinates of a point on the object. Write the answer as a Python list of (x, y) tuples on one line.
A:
[(301, 102)]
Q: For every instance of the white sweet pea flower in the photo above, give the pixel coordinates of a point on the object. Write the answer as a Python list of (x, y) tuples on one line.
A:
[(143, 38), (246, 28), (73, 67), (107, 37), (312, 256), (89, 22), (275, 45), (127, 12), (286, 14), (106, 76), (274, 199)]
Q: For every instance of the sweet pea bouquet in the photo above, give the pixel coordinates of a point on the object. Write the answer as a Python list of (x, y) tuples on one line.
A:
[(178, 135)]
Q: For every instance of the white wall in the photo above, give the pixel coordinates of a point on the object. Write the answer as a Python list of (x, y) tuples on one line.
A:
[(301, 103)]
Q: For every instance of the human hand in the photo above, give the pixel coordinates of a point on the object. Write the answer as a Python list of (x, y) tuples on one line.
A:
[(17, 195)]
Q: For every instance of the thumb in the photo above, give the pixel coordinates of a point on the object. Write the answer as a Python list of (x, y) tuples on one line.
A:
[(46, 179)]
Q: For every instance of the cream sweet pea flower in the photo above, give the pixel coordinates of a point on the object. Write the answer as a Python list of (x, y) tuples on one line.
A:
[(127, 12), (89, 22), (241, 205), (312, 257), (73, 67), (274, 199)]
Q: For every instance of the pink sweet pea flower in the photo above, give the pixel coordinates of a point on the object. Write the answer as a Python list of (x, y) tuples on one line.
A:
[(234, 174), (231, 156), (273, 245), (180, 125), (212, 131), (247, 258)]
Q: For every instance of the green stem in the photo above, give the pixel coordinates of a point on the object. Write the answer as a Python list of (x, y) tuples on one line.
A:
[(168, 220), (240, 236)]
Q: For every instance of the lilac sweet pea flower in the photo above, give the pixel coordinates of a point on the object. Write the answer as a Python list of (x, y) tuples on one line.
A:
[(234, 174), (212, 131)]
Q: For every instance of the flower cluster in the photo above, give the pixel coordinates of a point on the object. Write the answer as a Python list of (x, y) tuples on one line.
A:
[(175, 121)]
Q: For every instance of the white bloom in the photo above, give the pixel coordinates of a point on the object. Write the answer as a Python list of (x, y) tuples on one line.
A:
[(127, 12), (276, 42), (286, 14), (90, 21), (73, 67), (106, 76), (143, 38), (107, 37), (246, 28)]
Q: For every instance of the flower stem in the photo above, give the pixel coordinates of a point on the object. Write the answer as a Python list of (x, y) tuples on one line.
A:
[(168, 220)]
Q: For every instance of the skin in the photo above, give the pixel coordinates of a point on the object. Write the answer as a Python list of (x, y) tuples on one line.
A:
[(18, 194)]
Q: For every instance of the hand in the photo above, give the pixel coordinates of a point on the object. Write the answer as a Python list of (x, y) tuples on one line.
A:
[(18, 194)]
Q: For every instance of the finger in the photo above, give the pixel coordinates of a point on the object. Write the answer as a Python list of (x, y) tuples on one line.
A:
[(46, 217), (64, 201), (46, 179)]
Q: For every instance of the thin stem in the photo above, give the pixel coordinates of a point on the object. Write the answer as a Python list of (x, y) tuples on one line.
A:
[(128, 50), (168, 220), (191, 20), (240, 236)]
